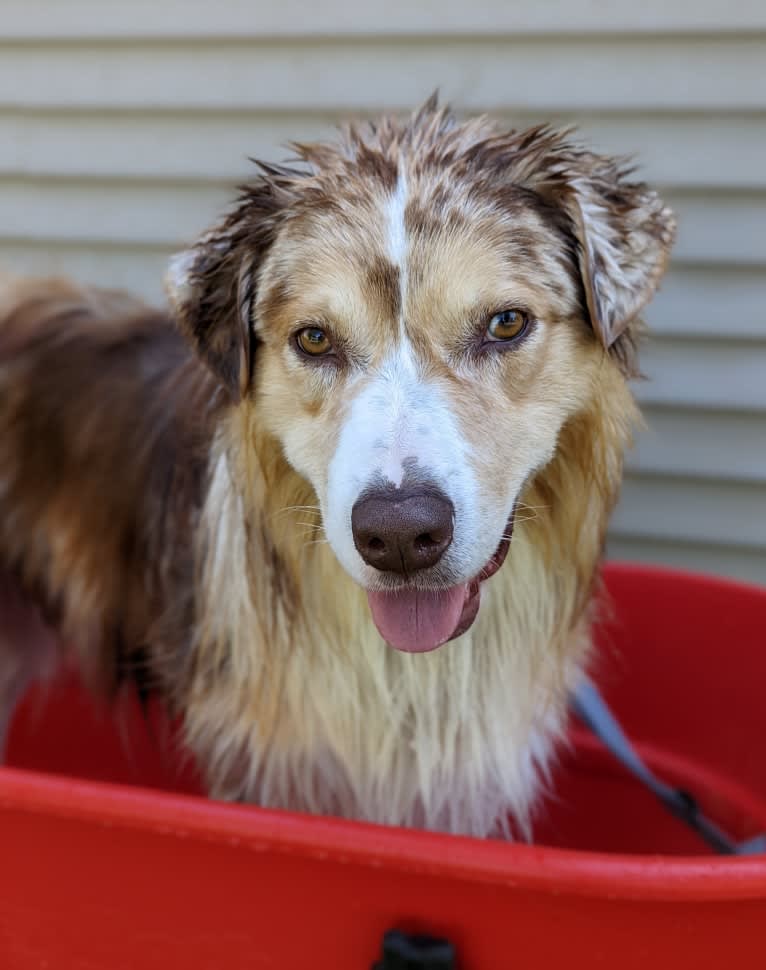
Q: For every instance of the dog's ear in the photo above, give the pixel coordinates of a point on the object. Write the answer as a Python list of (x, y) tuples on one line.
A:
[(625, 234), (211, 286)]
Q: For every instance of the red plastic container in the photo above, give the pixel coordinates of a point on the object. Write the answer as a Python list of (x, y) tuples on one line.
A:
[(100, 875)]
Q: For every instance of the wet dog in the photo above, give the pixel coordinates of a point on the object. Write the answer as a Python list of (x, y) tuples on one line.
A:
[(343, 507)]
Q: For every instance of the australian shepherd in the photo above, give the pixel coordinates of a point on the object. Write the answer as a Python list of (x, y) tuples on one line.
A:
[(343, 506)]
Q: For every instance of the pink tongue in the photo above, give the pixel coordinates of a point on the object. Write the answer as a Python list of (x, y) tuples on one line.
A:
[(418, 620)]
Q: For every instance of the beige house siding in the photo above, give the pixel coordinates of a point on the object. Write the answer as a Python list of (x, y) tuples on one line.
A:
[(124, 126)]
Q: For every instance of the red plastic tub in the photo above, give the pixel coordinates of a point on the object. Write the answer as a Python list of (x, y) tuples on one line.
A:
[(100, 875)]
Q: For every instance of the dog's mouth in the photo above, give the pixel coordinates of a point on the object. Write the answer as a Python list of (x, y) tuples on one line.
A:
[(419, 620)]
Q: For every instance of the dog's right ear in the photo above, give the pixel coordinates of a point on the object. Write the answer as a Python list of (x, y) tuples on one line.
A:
[(208, 287), (211, 287)]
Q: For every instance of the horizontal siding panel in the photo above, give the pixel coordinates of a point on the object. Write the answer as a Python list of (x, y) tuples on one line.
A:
[(530, 73), (716, 151), (712, 301), (709, 150), (707, 444), (724, 228), (745, 564), (692, 510), (720, 226), (199, 18), (161, 215), (195, 145), (137, 269), (704, 372)]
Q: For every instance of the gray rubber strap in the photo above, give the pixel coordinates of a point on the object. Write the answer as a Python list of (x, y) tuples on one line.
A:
[(592, 710)]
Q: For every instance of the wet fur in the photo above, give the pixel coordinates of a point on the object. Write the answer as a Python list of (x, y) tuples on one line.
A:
[(148, 506)]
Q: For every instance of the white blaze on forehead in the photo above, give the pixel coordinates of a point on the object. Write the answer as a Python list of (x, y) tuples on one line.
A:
[(396, 234)]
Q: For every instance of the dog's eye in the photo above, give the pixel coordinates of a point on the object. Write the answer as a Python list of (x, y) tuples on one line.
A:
[(313, 341), (507, 325)]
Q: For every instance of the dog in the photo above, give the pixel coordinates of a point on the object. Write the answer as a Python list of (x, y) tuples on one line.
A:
[(343, 505)]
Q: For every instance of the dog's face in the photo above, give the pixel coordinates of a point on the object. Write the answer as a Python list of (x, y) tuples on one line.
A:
[(431, 303), (417, 370)]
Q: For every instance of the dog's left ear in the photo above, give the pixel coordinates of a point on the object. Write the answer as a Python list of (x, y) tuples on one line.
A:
[(625, 234)]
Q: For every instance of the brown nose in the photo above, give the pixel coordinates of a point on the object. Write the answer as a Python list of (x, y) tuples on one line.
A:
[(401, 532)]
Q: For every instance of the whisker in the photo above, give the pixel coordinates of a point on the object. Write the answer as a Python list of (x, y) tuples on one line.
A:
[(523, 518), (313, 542), (298, 508)]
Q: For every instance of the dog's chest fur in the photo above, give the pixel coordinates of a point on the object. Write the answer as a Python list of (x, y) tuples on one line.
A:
[(297, 702)]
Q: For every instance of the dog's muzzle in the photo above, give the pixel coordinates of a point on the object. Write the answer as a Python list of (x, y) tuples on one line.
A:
[(403, 531)]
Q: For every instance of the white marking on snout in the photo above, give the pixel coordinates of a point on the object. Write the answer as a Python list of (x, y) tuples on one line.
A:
[(398, 419)]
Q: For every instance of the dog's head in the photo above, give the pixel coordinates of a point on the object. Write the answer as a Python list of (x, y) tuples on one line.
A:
[(424, 306)]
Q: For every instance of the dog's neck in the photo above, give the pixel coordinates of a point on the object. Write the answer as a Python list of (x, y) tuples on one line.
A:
[(298, 703)]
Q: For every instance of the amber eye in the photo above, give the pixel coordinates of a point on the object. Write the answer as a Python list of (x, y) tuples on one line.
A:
[(507, 325), (313, 341)]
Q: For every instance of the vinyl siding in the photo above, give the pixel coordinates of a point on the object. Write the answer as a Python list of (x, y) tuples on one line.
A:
[(124, 126)]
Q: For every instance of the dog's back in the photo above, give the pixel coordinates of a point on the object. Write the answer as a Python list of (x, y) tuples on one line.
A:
[(98, 401)]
